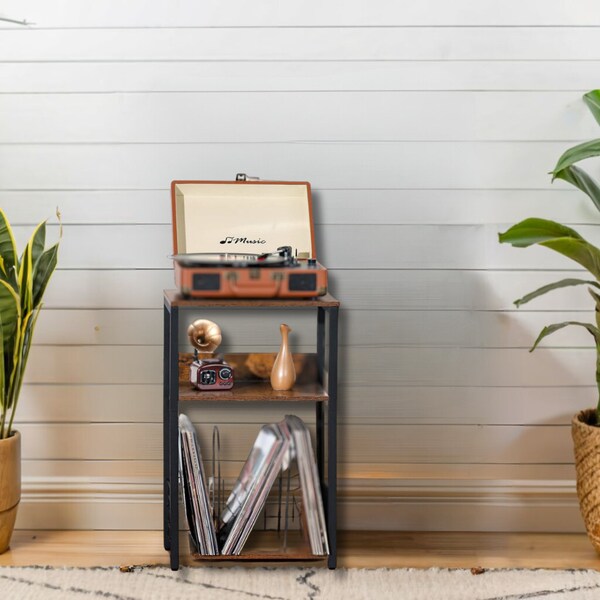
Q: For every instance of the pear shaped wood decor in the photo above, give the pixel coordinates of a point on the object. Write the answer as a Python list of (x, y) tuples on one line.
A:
[(283, 374)]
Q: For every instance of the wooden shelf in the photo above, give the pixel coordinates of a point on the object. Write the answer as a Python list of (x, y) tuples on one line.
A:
[(265, 546), (260, 556), (174, 298), (254, 391), (252, 372)]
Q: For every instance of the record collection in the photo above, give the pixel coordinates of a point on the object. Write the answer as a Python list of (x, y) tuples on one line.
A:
[(278, 445)]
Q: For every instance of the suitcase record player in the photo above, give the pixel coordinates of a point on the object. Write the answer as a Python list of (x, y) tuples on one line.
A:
[(245, 239)]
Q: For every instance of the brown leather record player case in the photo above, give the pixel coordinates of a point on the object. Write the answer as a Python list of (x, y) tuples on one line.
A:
[(245, 239)]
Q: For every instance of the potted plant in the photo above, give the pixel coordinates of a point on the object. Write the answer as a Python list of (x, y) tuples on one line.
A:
[(23, 280), (585, 426)]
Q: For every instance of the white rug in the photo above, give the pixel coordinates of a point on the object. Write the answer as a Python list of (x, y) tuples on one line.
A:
[(158, 583)]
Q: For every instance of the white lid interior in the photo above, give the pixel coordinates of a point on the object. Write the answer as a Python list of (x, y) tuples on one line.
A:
[(253, 218)]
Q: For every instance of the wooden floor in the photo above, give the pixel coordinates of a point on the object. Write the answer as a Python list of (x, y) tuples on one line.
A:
[(356, 549)]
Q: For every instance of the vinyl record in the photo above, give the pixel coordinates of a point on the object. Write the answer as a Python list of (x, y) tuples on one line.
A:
[(226, 259)]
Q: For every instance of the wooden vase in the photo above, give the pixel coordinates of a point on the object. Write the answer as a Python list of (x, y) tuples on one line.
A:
[(10, 486), (283, 374)]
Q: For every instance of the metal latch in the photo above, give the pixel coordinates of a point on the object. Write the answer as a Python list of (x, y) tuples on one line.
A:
[(244, 177)]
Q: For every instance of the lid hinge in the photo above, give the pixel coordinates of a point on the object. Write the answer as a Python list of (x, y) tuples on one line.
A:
[(244, 177)]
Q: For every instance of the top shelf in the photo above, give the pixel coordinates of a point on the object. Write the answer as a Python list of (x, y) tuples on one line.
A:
[(174, 298)]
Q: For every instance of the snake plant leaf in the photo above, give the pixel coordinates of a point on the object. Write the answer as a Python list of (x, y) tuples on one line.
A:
[(554, 286), (22, 354), (38, 241), (8, 249), (45, 267), (26, 278), (550, 329), (10, 310), (592, 99), (581, 180), (575, 154), (561, 239)]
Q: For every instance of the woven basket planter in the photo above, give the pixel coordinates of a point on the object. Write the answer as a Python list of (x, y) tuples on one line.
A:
[(586, 440)]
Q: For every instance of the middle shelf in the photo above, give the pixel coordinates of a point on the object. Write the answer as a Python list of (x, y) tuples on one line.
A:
[(253, 391), (251, 380)]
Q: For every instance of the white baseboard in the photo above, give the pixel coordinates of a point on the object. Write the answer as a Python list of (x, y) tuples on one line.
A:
[(506, 506)]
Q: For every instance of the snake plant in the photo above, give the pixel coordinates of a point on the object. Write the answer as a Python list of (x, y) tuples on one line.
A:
[(567, 241), (23, 280)]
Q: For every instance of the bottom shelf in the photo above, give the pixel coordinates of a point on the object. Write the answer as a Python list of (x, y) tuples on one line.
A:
[(266, 546)]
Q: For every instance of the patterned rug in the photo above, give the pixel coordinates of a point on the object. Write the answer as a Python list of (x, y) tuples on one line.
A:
[(273, 583)]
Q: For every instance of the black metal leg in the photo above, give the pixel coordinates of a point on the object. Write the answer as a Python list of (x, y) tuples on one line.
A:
[(332, 365), (174, 436), (166, 440), (319, 414)]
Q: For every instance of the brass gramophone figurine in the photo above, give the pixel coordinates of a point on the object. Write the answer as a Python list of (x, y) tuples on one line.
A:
[(208, 374)]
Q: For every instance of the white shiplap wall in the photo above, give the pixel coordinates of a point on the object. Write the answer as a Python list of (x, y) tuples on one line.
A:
[(424, 128)]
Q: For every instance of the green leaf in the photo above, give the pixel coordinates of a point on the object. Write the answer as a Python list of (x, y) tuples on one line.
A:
[(580, 179), (557, 237), (577, 153), (535, 231), (8, 249), (580, 251), (20, 361), (592, 99), (550, 329), (38, 241), (43, 272), (26, 279), (553, 286), (10, 310)]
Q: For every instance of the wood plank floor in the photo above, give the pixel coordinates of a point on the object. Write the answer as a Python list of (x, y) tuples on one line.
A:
[(356, 549)]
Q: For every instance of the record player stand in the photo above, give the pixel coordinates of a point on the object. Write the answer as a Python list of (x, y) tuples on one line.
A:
[(327, 309)]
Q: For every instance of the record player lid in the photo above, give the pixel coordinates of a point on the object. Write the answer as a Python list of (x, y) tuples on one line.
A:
[(242, 217)]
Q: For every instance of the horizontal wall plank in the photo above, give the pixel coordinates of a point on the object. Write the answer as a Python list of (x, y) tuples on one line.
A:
[(330, 207), (338, 247), (471, 367), (500, 165), (243, 75), (404, 290), (270, 13), (424, 444), (375, 329), (298, 43), (453, 289), (114, 403), (298, 116), (137, 13), (140, 472)]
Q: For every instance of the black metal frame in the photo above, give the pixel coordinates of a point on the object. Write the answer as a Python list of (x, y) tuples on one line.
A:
[(327, 362)]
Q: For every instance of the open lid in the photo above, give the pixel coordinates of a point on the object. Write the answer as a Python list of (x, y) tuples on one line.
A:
[(242, 217)]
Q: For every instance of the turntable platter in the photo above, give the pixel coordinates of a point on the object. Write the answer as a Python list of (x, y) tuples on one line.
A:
[(226, 259)]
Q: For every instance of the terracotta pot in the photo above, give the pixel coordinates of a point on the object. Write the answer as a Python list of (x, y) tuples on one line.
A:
[(10, 486)]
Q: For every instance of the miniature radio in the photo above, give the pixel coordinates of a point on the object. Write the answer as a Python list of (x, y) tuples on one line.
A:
[(212, 373)]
